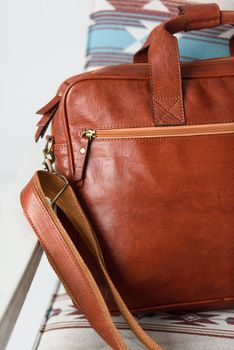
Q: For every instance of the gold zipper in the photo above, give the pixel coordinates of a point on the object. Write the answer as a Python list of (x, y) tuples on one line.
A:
[(162, 131)]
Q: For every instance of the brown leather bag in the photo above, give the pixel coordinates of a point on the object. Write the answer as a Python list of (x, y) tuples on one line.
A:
[(148, 151)]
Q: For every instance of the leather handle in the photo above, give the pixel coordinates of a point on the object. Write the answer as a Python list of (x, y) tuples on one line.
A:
[(68, 263), (161, 51)]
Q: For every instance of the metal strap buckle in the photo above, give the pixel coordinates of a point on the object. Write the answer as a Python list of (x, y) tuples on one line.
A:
[(53, 201)]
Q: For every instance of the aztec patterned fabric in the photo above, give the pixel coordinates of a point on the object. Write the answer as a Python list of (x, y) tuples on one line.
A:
[(67, 329), (118, 28)]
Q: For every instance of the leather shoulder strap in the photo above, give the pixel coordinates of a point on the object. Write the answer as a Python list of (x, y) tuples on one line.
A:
[(66, 260)]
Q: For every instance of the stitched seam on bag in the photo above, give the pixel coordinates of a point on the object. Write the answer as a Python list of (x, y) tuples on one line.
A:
[(59, 146), (179, 80), (157, 138), (168, 110), (83, 128), (187, 303), (207, 76), (171, 108), (68, 135), (209, 61), (152, 91), (53, 225), (167, 97)]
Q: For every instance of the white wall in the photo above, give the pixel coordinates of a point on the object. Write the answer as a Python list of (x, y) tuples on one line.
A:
[(42, 42)]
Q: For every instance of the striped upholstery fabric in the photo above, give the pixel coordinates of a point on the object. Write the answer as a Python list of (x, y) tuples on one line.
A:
[(67, 329), (119, 27)]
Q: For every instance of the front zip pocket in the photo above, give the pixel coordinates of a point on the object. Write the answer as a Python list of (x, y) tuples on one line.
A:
[(89, 135), (162, 131)]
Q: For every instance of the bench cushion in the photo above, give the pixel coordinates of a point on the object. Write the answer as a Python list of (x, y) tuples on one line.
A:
[(66, 328)]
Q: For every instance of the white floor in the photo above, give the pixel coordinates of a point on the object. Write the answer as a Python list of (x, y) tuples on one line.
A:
[(42, 43)]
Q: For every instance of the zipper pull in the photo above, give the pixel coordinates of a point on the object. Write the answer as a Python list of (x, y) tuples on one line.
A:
[(85, 140), (90, 134)]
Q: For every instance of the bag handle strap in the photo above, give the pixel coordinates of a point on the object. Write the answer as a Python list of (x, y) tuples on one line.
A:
[(161, 51), (66, 260)]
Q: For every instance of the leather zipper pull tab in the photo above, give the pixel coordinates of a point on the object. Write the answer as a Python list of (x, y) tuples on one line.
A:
[(44, 122), (85, 140), (54, 101), (47, 112)]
